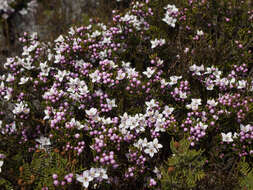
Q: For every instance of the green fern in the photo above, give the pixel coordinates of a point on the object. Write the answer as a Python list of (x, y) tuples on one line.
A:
[(246, 181), (38, 173), (184, 168)]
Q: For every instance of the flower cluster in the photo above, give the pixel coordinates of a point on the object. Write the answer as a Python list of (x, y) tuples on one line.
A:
[(170, 14), (92, 174)]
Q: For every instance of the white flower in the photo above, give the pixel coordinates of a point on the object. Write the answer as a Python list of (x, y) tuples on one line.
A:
[(163, 82), (91, 112), (94, 172), (102, 173), (159, 62), (1, 164), (131, 73), (141, 143), (21, 107), (196, 69), (10, 78), (2, 86), (44, 142), (23, 80), (61, 74), (95, 76), (174, 79), (111, 103), (202, 126), (194, 104), (171, 9), (151, 104), (58, 58), (241, 84), (212, 102), (85, 178), (151, 150), (170, 20), (83, 90), (158, 173), (200, 33), (209, 70), (156, 42), (168, 111), (235, 135), (95, 34), (71, 31), (23, 11), (182, 95), (47, 116), (186, 50), (245, 129), (210, 87), (227, 137), (59, 39), (120, 75), (156, 144), (126, 64), (149, 72), (193, 68), (217, 73), (106, 121), (8, 95)]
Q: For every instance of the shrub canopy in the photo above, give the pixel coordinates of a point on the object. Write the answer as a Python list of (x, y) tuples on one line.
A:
[(99, 107)]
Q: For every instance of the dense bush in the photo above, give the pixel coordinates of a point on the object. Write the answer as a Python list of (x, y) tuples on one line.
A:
[(159, 98)]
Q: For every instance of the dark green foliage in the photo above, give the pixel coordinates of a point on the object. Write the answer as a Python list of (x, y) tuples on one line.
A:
[(184, 168)]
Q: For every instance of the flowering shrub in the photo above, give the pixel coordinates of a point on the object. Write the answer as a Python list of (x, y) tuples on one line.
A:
[(98, 107), (8, 7)]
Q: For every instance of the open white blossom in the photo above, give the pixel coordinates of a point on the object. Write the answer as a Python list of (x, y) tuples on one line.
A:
[(1, 164), (171, 10), (227, 137), (120, 75), (156, 144), (95, 77), (174, 79), (245, 128), (200, 33), (152, 147), (111, 103), (85, 178), (61, 74), (156, 42), (141, 143), (163, 82), (149, 72), (151, 104), (21, 107), (194, 104), (44, 142), (150, 150), (241, 84), (91, 112), (23, 80), (102, 173), (168, 111), (212, 102), (170, 20), (197, 69)]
